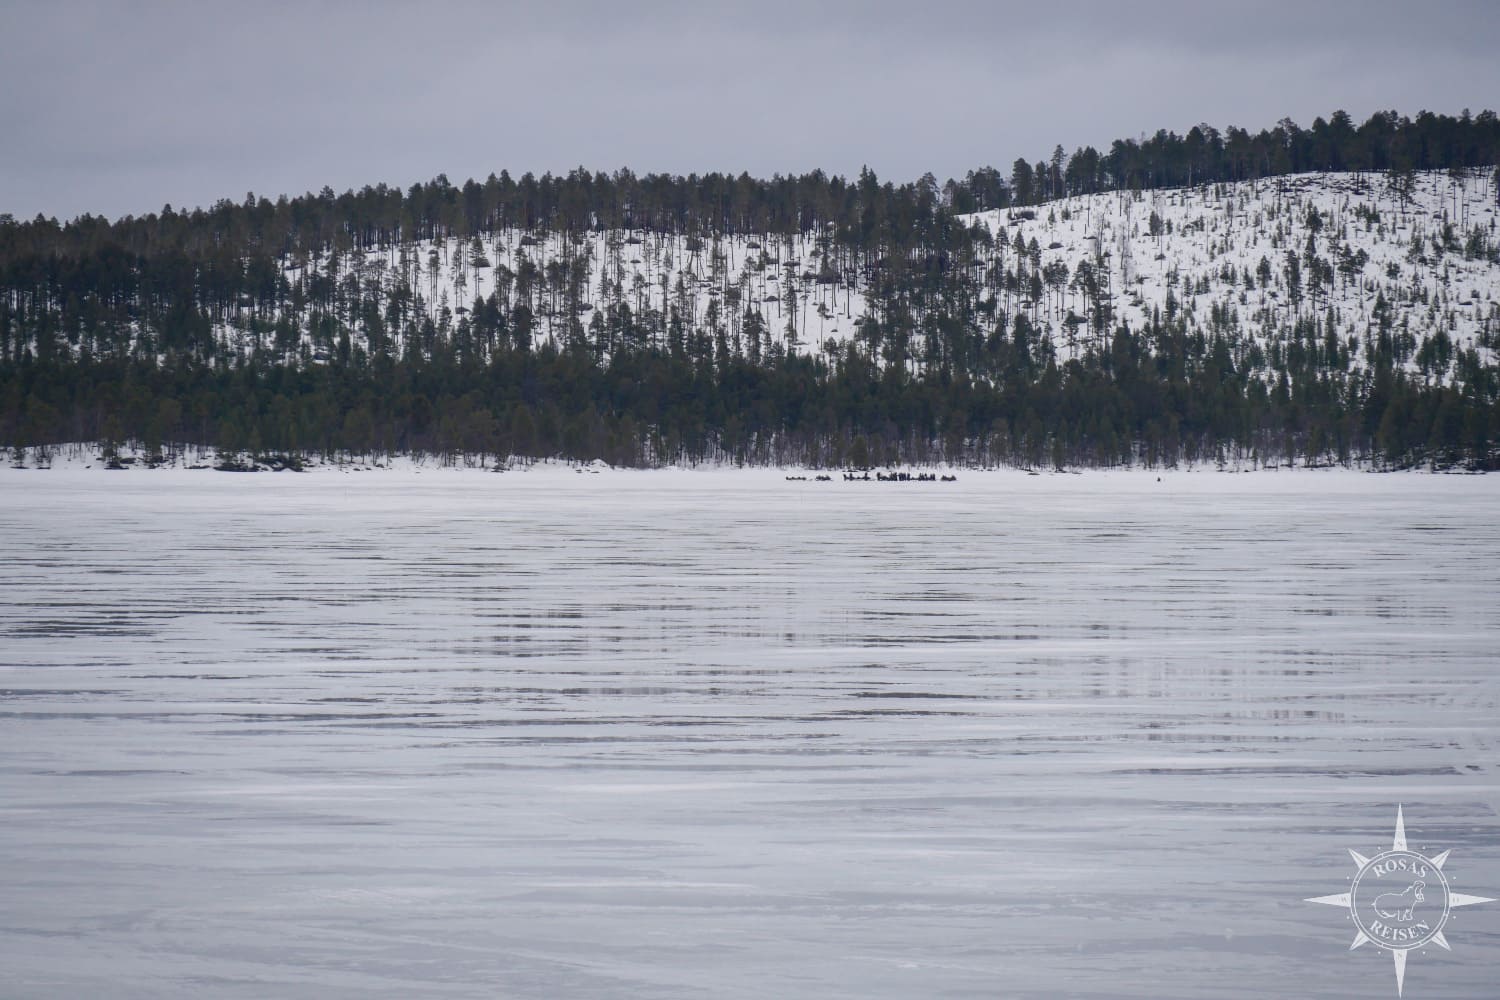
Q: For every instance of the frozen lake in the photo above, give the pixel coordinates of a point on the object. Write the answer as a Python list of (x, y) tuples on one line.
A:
[(717, 734)]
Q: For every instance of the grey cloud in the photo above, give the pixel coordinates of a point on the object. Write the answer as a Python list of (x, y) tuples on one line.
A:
[(115, 109)]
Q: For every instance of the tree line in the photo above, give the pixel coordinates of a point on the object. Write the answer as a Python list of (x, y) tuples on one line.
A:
[(1386, 142)]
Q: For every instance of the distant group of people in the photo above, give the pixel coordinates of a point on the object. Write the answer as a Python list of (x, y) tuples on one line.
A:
[(882, 477), (900, 477)]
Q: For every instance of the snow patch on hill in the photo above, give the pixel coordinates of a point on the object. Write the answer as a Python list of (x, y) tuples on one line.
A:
[(1416, 263), (802, 294)]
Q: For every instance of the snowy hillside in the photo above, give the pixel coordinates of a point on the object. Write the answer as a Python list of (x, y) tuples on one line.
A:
[(1256, 256), (1247, 260)]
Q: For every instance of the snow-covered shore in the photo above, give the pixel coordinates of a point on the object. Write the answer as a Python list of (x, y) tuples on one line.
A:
[(85, 461)]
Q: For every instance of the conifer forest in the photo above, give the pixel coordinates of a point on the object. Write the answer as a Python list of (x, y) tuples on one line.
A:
[(1307, 295)]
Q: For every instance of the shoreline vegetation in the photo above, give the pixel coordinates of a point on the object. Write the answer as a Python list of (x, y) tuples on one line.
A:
[(98, 457)]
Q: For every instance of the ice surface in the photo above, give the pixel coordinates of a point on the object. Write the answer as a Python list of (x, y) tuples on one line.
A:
[(716, 734)]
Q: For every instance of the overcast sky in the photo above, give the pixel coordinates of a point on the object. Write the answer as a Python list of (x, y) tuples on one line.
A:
[(116, 108)]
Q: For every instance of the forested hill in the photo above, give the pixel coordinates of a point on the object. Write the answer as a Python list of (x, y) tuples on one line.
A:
[(1322, 294)]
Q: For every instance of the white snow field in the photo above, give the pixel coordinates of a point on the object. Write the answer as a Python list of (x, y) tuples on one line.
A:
[(687, 734)]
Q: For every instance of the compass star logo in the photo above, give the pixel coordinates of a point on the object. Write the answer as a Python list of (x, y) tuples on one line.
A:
[(1400, 900)]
